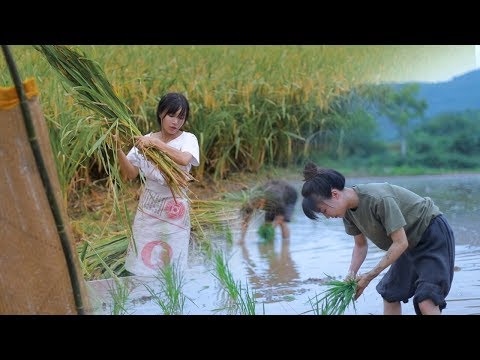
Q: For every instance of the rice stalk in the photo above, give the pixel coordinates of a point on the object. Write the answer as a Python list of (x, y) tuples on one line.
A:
[(109, 252), (247, 301), (212, 217), (170, 297), (315, 304), (120, 293), (92, 90), (336, 299), (239, 299)]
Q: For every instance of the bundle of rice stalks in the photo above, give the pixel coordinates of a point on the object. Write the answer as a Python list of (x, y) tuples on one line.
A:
[(212, 216), (266, 232), (94, 91), (105, 258), (336, 299)]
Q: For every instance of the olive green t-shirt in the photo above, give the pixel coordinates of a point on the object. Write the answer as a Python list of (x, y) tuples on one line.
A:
[(384, 208)]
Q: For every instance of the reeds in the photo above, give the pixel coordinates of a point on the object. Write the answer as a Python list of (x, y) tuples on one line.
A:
[(92, 90), (336, 299)]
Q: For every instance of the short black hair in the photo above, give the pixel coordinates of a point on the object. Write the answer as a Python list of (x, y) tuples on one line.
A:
[(170, 104), (319, 183)]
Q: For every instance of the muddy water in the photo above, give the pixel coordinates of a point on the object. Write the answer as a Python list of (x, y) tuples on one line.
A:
[(285, 274)]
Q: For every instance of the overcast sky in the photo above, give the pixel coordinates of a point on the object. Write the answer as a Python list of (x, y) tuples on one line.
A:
[(433, 63)]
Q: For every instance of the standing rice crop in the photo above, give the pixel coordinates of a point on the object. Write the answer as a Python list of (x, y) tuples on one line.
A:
[(256, 109)]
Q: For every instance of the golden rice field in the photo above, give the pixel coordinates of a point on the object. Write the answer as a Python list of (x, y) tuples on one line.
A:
[(251, 105)]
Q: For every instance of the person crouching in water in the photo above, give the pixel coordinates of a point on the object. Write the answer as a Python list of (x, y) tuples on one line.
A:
[(419, 243), (277, 198)]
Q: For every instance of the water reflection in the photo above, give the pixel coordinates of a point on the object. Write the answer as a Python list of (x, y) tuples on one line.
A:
[(274, 272)]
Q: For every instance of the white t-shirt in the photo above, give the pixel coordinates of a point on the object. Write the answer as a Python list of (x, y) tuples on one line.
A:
[(186, 142)]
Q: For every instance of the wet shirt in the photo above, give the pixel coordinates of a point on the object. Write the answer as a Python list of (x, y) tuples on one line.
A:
[(384, 208)]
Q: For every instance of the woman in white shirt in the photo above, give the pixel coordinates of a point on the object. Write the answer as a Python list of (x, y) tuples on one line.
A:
[(161, 229)]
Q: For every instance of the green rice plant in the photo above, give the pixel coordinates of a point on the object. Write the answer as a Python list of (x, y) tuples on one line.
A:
[(239, 299), (316, 305), (120, 293), (92, 90), (69, 137), (336, 299), (267, 232), (228, 235), (203, 247), (170, 297), (247, 301), (225, 276)]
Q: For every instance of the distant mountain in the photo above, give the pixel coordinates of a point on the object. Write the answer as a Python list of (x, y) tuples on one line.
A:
[(459, 94)]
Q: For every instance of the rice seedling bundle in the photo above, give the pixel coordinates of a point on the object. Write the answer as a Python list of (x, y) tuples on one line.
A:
[(337, 298), (266, 232)]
